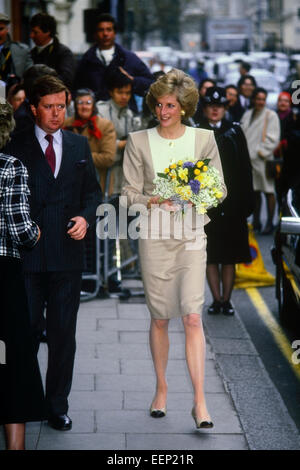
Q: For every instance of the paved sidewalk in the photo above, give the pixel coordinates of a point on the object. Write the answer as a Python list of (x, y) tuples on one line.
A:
[(114, 384)]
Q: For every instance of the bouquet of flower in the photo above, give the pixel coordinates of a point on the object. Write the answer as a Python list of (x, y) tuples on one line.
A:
[(190, 182)]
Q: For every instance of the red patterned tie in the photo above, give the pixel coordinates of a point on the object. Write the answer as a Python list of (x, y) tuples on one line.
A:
[(50, 153)]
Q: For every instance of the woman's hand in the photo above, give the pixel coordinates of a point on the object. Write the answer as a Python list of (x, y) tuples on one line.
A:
[(165, 204), (153, 201), (169, 205), (260, 155), (122, 144)]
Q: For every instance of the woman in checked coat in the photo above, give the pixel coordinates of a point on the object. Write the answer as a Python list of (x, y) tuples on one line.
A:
[(21, 390)]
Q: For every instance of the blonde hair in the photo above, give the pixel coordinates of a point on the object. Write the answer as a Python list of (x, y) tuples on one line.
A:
[(7, 122), (178, 83)]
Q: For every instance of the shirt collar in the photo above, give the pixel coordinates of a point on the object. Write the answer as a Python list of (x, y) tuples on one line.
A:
[(40, 48), (40, 134), (216, 125)]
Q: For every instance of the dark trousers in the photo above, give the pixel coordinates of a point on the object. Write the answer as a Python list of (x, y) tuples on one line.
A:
[(59, 294)]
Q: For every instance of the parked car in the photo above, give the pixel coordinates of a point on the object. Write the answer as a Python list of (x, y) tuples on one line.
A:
[(286, 257)]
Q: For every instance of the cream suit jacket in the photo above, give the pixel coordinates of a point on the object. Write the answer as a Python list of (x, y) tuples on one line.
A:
[(139, 171)]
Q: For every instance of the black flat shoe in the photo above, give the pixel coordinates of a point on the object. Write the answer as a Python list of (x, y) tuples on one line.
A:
[(60, 422), (227, 308), (158, 413), (215, 308), (201, 424)]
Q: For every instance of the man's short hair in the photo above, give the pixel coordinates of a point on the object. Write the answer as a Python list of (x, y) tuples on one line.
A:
[(246, 66), (34, 72), (46, 85), (231, 85), (45, 22), (116, 79), (211, 80), (106, 18)]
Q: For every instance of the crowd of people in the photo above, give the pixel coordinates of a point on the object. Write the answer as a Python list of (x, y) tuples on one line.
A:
[(75, 128)]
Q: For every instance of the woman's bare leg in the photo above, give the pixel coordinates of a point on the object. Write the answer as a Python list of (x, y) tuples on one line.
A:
[(15, 436), (159, 345), (195, 348)]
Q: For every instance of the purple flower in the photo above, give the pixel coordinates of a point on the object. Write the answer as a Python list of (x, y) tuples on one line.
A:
[(195, 186), (188, 165)]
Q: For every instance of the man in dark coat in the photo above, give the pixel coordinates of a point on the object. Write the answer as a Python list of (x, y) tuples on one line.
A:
[(105, 56), (49, 50), (14, 56), (227, 233), (64, 189)]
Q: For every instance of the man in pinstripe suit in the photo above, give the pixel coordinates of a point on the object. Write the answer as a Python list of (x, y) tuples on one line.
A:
[(63, 188)]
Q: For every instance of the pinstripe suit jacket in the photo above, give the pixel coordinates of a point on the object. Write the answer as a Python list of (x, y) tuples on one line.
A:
[(53, 201)]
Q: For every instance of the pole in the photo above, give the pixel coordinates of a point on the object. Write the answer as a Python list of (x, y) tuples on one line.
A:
[(259, 24), (114, 8)]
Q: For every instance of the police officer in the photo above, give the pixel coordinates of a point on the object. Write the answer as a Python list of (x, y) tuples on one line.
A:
[(227, 233)]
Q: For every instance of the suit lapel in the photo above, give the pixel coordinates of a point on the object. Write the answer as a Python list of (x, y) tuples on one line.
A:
[(36, 160), (68, 156)]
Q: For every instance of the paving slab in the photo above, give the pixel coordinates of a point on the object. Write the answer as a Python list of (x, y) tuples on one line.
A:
[(114, 384), (196, 441), (83, 441), (177, 422)]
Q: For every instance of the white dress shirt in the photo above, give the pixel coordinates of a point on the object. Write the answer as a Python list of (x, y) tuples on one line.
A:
[(216, 125), (245, 102), (57, 145)]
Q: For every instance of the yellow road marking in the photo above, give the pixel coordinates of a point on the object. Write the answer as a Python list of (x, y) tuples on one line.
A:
[(271, 323)]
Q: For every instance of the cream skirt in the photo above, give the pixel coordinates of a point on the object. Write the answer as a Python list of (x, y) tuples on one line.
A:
[(173, 273)]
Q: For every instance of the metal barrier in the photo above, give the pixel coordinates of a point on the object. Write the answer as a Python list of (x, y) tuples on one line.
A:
[(119, 263), (92, 270), (97, 270)]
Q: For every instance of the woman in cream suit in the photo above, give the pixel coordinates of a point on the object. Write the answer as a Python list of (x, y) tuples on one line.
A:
[(173, 268)]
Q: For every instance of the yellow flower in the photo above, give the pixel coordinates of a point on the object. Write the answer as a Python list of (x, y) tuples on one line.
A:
[(219, 194), (197, 172), (180, 162), (205, 168), (200, 164), (173, 176), (199, 178), (182, 173), (167, 170), (173, 166)]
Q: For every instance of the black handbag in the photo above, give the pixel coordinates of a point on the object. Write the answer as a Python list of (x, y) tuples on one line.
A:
[(273, 168)]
